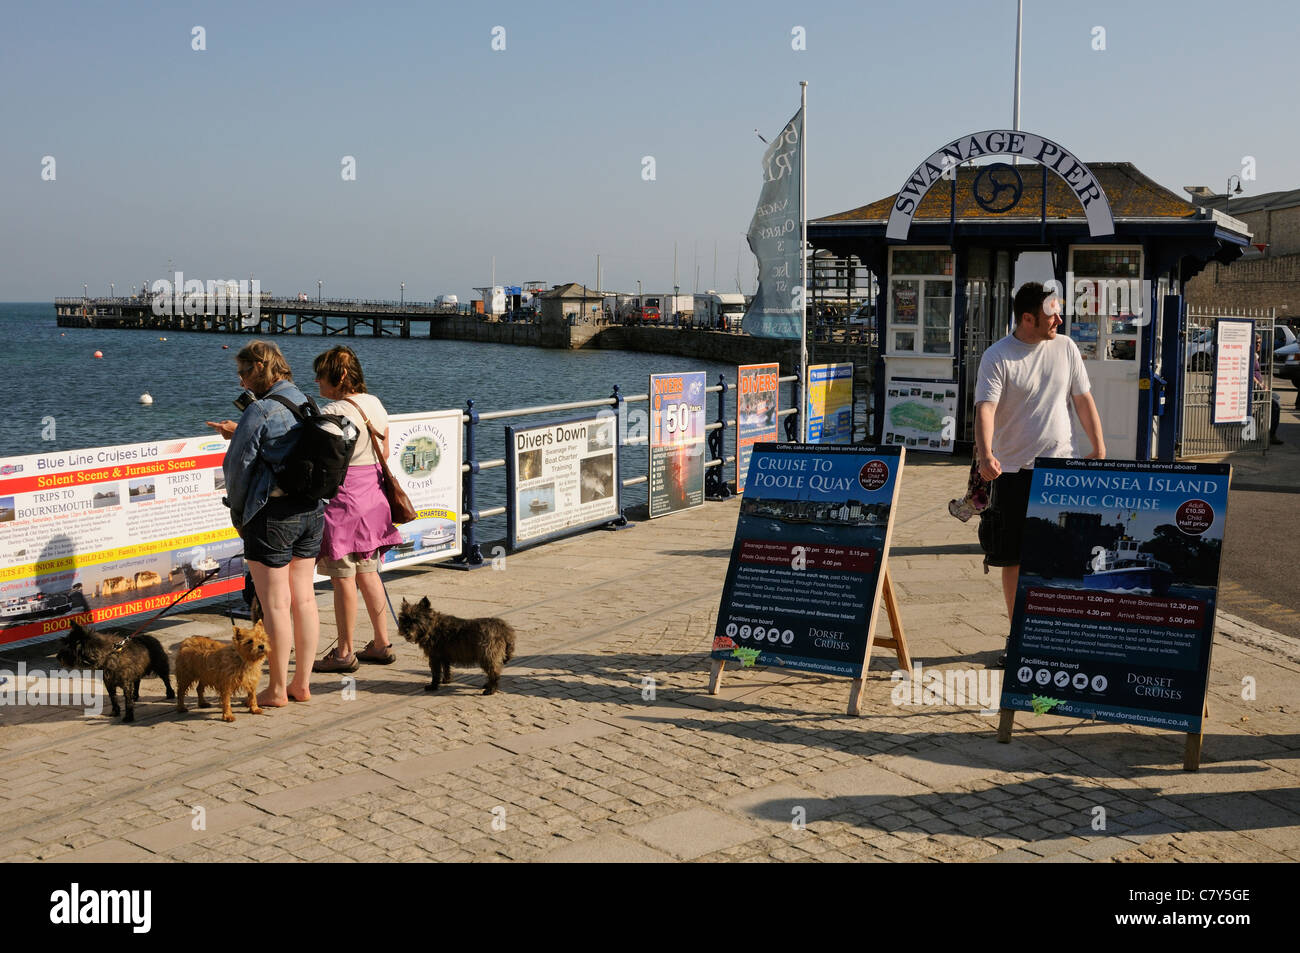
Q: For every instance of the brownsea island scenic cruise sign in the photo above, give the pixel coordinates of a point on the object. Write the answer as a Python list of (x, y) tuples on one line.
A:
[(1114, 614)]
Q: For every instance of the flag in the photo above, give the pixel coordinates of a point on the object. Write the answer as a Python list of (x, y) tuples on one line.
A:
[(776, 239)]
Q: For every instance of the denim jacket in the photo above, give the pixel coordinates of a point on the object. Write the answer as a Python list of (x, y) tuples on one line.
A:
[(260, 441)]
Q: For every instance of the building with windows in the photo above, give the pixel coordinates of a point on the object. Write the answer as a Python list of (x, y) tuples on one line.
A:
[(1122, 247)]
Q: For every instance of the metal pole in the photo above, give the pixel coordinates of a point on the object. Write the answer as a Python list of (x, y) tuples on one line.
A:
[(803, 244), (470, 554), (1015, 109)]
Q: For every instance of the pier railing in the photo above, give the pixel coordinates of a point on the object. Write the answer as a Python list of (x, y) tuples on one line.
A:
[(715, 482)]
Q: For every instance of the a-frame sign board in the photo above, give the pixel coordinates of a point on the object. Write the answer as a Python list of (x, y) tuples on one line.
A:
[(1115, 608), (808, 566)]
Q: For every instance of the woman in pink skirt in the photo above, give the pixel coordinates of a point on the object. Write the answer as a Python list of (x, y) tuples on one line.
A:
[(358, 527)]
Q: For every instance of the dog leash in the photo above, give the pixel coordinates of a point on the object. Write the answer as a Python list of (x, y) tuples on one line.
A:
[(148, 622)]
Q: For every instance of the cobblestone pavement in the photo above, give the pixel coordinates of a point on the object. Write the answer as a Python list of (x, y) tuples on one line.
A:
[(575, 761)]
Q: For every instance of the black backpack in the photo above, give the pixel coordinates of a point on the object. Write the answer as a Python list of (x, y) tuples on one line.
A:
[(318, 463)]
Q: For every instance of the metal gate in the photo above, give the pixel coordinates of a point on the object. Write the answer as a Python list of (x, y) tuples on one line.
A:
[(1197, 435)]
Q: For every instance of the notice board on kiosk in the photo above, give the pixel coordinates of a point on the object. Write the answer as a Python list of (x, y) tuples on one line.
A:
[(1119, 574)]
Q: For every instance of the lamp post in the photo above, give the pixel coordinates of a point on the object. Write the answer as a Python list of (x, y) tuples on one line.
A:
[(1230, 191), (318, 284), (110, 289), (403, 299), (85, 291)]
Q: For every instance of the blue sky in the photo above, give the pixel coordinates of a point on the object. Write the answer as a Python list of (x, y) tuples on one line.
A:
[(227, 160)]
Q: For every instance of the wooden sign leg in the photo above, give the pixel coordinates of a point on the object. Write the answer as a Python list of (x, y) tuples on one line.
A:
[(897, 641), (1005, 724), (715, 676), (855, 696), (1192, 750)]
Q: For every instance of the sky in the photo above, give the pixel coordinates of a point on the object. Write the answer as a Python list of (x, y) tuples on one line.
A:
[(227, 161)]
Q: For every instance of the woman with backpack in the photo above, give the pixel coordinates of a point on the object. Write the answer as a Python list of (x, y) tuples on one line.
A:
[(358, 523), (281, 533)]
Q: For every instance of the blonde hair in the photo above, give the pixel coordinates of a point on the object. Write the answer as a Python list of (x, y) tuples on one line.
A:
[(341, 368), (274, 366)]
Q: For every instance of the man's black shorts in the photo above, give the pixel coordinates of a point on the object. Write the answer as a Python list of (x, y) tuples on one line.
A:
[(1002, 524)]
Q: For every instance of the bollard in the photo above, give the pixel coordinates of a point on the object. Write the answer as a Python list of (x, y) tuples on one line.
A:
[(715, 479), (471, 557)]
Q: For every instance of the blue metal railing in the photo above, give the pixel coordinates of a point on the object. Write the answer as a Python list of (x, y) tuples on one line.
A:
[(471, 554)]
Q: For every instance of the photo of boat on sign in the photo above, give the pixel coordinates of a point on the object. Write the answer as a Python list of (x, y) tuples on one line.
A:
[(1137, 531)]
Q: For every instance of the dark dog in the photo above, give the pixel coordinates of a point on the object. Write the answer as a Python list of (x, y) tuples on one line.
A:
[(124, 667), (447, 641)]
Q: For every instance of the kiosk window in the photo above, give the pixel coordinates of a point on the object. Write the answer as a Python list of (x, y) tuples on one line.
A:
[(1106, 302), (920, 302)]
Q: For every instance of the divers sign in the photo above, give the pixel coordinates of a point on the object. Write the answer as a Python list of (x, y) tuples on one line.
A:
[(1006, 142)]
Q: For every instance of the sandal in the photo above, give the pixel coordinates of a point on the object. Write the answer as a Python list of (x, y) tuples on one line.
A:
[(376, 655), (333, 662)]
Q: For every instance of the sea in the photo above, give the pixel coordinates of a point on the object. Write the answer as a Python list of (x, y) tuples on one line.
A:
[(59, 389)]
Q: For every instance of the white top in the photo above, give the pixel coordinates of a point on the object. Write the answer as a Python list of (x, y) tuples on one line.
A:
[(1031, 384), (364, 453)]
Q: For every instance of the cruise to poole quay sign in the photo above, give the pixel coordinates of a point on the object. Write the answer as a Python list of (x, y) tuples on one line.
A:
[(1010, 142)]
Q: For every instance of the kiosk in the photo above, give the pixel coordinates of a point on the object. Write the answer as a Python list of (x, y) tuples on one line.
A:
[(1122, 248)]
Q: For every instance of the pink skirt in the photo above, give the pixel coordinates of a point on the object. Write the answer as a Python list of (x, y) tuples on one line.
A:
[(358, 520)]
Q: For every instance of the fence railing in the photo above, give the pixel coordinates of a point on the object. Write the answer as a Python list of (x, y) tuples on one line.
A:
[(715, 482), (1198, 434)]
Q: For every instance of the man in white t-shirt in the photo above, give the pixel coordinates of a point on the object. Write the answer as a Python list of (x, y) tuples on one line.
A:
[(1026, 384)]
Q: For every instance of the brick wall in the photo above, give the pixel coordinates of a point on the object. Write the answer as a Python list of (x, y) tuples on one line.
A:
[(1272, 282)]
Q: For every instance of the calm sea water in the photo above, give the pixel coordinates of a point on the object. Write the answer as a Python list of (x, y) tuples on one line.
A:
[(52, 373)]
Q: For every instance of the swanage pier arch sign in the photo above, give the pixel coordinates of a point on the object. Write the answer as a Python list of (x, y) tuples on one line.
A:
[(1002, 142)]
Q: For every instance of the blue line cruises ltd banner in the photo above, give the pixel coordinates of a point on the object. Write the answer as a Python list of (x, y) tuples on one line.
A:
[(808, 559), (1119, 576)]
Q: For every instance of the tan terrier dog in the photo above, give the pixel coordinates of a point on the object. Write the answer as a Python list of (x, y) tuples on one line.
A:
[(229, 667)]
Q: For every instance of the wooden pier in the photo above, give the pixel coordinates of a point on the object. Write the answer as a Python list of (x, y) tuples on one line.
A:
[(264, 316)]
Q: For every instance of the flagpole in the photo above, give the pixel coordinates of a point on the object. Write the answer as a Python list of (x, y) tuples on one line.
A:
[(803, 257)]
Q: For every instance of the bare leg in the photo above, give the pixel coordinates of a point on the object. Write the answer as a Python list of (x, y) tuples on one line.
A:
[(372, 590), (306, 625), (277, 617), (1010, 579), (345, 612)]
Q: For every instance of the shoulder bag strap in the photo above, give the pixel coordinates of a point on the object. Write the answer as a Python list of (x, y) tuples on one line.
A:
[(374, 434)]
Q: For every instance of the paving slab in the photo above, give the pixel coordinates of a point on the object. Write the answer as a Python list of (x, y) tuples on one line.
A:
[(605, 849), (693, 833)]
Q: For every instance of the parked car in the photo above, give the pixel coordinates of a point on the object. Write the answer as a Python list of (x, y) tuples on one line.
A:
[(1200, 349), (1286, 363), (863, 314), (1282, 336)]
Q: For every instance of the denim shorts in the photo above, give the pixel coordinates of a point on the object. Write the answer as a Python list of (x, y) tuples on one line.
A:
[(282, 530)]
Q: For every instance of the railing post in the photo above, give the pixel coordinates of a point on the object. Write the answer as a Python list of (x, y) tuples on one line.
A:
[(617, 397), (792, 430), (470, 554), (715, 478)]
